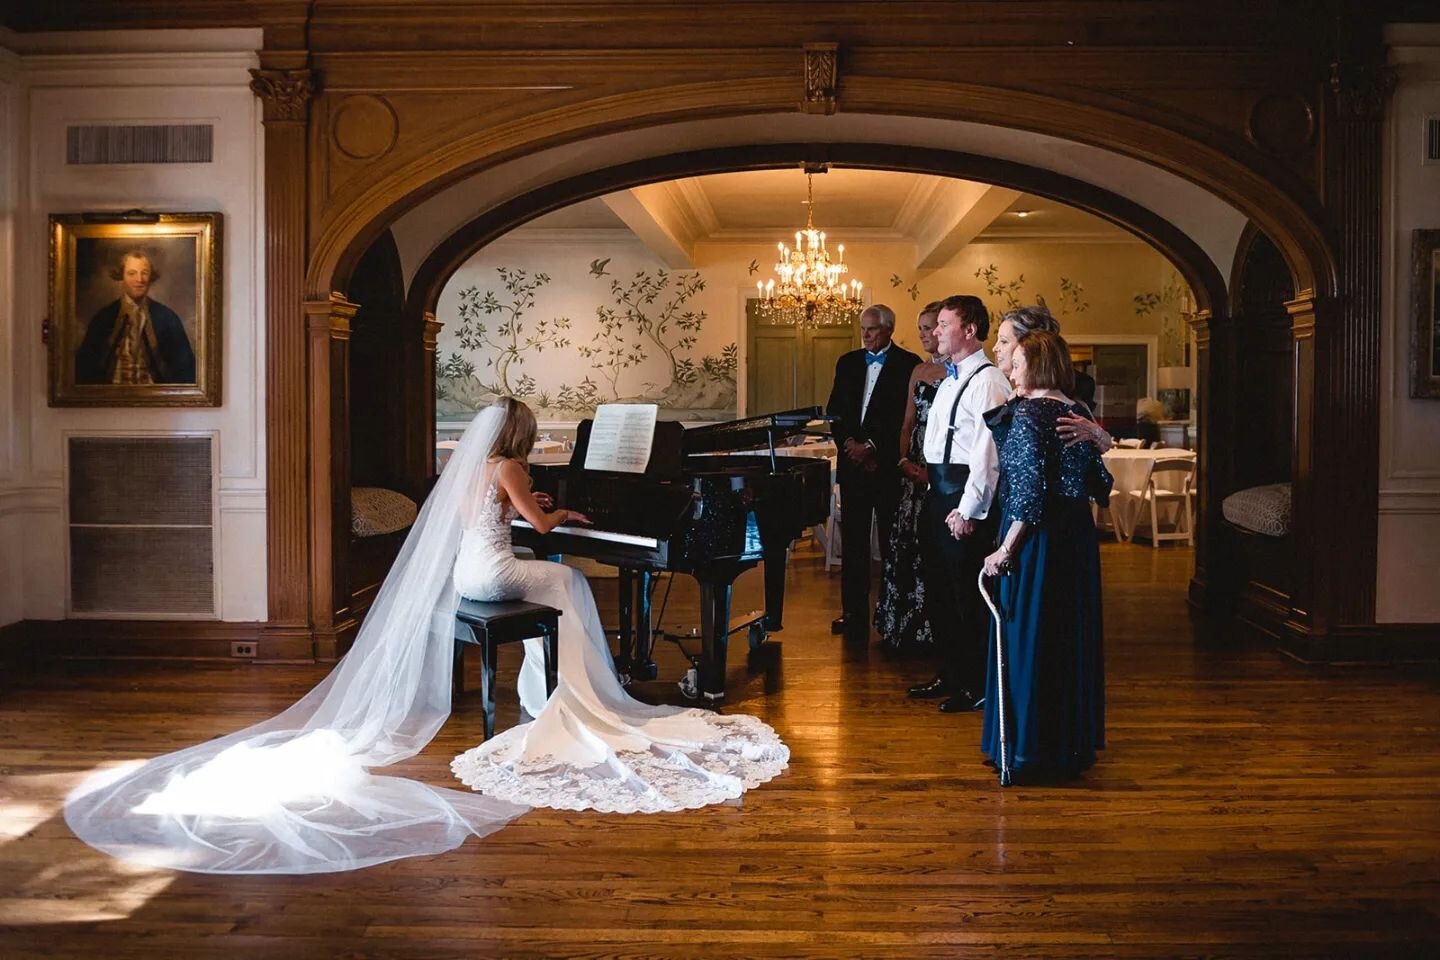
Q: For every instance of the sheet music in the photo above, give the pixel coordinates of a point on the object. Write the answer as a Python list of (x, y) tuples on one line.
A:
[(621, 437)]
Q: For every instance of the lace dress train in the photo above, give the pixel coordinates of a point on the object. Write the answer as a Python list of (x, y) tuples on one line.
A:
[(591, 746)]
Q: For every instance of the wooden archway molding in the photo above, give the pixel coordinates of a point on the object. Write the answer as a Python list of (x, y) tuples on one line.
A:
[(1185, 254)]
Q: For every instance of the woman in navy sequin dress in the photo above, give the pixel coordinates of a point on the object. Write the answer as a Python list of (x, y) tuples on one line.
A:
[(900, 612), (1049, 562)]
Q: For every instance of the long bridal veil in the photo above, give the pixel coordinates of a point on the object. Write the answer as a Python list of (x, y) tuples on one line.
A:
[(294, 794)]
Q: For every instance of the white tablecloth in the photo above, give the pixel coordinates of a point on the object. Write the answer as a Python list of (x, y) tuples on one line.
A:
[(1131, 469)]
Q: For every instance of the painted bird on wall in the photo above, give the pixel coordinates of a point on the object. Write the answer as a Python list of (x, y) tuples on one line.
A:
[(597, 268)]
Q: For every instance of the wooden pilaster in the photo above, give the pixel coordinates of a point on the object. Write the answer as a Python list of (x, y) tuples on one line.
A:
[(285, 93)]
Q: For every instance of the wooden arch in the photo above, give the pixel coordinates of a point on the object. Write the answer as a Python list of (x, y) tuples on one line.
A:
[(1268, 192), (347, 221)]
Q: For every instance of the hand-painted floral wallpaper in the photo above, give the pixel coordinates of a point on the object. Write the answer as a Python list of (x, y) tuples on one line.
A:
[(565, 342)]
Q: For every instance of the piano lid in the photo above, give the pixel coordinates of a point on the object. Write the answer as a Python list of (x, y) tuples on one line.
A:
[(749, 432)]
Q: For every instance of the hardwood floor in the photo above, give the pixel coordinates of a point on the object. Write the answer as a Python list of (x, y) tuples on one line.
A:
[(1246, 806)]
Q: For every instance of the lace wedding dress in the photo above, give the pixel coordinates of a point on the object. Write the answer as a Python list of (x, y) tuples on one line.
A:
[(592, 746)]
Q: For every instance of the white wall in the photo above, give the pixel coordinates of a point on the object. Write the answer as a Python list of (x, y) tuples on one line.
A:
[(196, 76), (1408, 575), (11, 596)]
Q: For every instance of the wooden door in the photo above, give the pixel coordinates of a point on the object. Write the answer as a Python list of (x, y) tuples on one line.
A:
[(791, 366)]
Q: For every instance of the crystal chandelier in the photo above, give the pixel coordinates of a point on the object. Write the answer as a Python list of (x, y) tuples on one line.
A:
[(811, 291)]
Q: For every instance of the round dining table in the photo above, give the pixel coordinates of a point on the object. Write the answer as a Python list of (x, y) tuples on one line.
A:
[(1131, 470)]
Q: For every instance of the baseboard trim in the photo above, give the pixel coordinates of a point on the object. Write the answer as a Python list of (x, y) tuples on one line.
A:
[(1365, 644), (208, 640)]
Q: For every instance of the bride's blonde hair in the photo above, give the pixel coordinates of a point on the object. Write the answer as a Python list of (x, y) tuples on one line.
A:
[(517, 433)]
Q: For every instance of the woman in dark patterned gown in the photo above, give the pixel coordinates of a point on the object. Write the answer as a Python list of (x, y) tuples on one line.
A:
[(1049, 563), (900, 613)]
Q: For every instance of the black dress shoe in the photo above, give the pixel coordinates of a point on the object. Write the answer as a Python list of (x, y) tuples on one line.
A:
[(962, 702), (837, 626), (929, 690)]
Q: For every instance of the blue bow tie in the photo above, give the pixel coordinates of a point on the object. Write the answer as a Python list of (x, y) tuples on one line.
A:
[(951, 370), (874, 357)]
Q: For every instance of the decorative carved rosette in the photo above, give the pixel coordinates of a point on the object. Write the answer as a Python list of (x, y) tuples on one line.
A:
[(822, 62), (285, 93), (1361, 90)]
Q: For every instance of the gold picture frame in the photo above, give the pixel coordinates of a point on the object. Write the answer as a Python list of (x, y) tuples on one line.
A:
[(1425, 334), (135, 315)]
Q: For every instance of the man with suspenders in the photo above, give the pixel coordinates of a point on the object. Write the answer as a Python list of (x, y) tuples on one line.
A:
[(957, 522)]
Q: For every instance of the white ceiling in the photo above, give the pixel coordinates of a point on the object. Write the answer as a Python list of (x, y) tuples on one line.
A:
[(940, 215)]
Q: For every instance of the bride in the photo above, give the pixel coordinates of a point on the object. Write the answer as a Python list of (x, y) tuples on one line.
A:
[(591, 746), (295, 793)]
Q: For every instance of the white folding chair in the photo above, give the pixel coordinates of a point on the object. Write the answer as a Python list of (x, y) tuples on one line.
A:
[(1169, 471)]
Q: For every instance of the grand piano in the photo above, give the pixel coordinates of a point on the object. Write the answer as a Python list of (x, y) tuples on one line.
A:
[(702, 507)]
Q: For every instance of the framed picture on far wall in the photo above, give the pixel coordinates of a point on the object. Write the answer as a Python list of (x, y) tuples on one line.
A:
[(135, 310), (1425, 335)]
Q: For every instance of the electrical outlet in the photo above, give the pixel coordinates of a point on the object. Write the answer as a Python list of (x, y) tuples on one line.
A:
[(241, 648)]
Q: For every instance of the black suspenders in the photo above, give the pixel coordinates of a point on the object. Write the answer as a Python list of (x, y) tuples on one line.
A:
[(950, 432)]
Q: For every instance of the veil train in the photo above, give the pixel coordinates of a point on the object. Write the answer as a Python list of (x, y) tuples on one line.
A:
[(294, 794)]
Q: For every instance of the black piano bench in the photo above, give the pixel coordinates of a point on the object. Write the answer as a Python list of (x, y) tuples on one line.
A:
[(487, 625)]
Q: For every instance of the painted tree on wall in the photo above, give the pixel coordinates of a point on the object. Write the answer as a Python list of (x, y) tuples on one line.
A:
[(609, 354), (508, 339), (670, 326), (1072, 293), (1167, 303), (649, 322)]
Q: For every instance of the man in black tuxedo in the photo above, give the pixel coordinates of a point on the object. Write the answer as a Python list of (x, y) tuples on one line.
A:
[(868, 401)]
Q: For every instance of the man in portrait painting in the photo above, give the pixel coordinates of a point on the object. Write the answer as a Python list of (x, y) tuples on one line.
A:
[(134, 339)]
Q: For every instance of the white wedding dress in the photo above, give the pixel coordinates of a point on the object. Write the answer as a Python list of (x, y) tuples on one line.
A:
[(591, 746)]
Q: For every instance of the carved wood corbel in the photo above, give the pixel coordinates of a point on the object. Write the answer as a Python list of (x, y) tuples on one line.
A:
[(822, 72)]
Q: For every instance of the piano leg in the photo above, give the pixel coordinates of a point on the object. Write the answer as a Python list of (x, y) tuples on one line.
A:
[(625, 657), (642, 667), (775, 558), (715, 631)]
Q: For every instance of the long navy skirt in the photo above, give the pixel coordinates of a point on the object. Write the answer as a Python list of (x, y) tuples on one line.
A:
[(1054, 648)]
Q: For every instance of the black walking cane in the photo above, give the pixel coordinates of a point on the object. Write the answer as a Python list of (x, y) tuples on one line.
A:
[(1000, 681)]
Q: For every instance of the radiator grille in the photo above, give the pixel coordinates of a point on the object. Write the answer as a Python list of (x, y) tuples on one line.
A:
[(141, 526), (154, 143)]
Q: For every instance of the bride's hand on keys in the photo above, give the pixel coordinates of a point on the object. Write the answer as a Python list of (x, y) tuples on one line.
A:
[(575, 516), (544, 501)]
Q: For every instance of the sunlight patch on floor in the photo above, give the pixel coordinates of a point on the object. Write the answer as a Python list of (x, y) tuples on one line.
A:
[(51, 876)]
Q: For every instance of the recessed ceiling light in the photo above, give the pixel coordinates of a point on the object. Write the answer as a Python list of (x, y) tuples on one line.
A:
[(1022, 213)]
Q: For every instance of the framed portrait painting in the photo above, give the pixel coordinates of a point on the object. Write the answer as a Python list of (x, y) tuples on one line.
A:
[(1425, 335), (135, 310)]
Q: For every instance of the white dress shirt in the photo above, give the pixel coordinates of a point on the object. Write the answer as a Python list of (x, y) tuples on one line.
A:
[(972, 445), (872, 374)]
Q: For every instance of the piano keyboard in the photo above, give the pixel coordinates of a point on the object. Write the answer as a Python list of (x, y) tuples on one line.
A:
[(609, 536)]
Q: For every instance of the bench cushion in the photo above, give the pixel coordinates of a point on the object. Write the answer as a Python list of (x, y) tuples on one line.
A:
[(1264, 510), (375, 511)]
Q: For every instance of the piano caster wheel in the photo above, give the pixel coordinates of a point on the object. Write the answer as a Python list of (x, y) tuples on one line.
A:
[(644, 671), (758, 636), (690, 684)]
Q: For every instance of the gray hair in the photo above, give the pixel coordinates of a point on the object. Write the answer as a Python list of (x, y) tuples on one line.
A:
[(880, 312), (1026, 320)]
